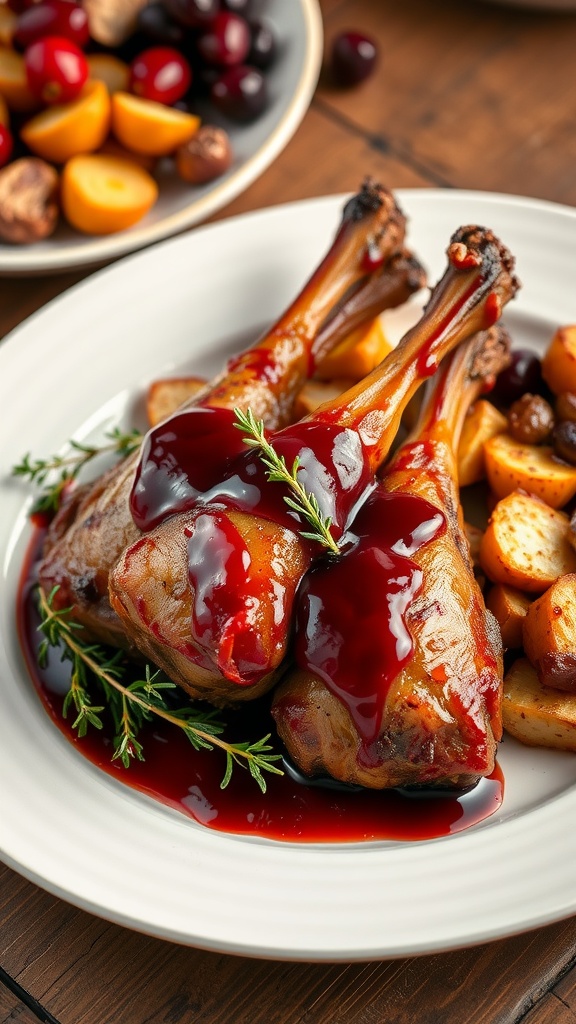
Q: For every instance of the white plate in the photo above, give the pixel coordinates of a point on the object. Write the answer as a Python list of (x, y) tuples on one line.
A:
[(76, 367), (291, 82)]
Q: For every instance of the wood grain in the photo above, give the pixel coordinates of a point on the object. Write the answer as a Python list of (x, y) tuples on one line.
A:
[(80, 967)]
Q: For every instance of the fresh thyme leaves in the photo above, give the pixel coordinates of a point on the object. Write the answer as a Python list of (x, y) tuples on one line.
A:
[(304, 503), (68, 466), (132, 704)]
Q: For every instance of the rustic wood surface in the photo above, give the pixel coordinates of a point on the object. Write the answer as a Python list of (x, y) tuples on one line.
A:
[(466, 96)]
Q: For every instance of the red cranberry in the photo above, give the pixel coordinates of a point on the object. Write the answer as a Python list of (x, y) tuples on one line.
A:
[(52, 18), (354, 57), (155, 22), (262, 46), (192, 13), (521, 376), (56, 69), (240, 93), (226, 42), (161, 74), (6, 144)]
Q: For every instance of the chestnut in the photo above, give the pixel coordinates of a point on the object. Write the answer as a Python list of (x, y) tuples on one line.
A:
[(205, 156)]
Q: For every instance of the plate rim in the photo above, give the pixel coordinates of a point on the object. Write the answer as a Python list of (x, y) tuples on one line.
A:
[(476, 842), (95, 250)]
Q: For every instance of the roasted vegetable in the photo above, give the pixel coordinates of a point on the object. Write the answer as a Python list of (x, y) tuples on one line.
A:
[(535, 714), (483, 422), (509, 607), (550, 635), (512, 466), (526, 544)]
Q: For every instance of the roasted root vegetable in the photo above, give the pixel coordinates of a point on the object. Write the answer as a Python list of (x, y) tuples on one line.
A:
[(316, 392), (513, 466), (550, 635), (559, 362), (526, 544), (104, 194), (65, 130), (535, 714), (167, 394), (483, 422), (357, 355), (509, 607)]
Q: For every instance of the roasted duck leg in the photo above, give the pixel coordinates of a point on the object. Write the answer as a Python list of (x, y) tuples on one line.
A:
[(365, 271), (208, 592), (399, 671)]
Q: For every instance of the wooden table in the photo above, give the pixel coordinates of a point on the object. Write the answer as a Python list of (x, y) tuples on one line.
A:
[(466, 96)]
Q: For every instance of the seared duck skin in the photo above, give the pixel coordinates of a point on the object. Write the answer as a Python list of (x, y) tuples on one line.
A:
[(400, 665), (208, 593), (366, 270)]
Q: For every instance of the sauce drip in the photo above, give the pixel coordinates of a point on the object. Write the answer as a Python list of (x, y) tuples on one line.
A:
[(189, 781), (372, 584)]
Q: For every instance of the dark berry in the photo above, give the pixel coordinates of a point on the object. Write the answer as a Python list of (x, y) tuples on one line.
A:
[(226, 42), (354, 58), (155, 22), (262, 50), (240, 93), (524, 374)]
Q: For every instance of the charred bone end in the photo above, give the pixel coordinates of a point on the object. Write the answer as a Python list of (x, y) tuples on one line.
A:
[(474, 246)]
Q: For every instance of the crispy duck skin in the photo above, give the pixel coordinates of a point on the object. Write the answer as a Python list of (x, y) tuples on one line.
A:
[(150, 587), (440, 719), (87, 539)]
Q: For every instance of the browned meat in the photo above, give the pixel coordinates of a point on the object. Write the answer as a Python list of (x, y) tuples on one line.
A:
[(340, 295), (227, 599), (427, 708)]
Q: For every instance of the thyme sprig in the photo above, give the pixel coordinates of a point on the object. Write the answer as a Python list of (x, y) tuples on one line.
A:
[(67, 467), (133, 704), (303, 502)]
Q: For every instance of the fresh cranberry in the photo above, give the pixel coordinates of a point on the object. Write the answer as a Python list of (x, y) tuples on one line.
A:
[(240, 93), (226, 41), (354, 57), (155, 22), (56, 69), (262, 45), (6, 144), (192, 13), (161, 74), (52, 18)]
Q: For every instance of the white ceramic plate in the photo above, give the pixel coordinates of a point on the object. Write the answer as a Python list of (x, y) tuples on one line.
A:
[(78, 366), (291, 82)]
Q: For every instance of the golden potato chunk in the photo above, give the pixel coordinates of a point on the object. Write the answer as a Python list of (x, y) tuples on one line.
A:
[(168, 394), (482, 422), (316, 392), (509, 607), (534, 714), (512, 466), (357, 354), (559, 363), (526, 544), (550, 635)]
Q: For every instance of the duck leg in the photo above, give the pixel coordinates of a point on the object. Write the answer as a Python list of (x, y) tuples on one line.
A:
[(399, 665)]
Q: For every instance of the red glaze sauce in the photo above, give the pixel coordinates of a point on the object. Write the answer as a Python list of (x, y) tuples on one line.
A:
[(372, 584), (189, 781)]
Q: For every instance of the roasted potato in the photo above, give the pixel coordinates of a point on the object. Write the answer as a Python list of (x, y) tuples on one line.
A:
[(509, 607), (526, 544), (316, 392), (482, 422), (550, 635), (357, 355), (535, 714), (166, 395), (513, 466), (559, 362)]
